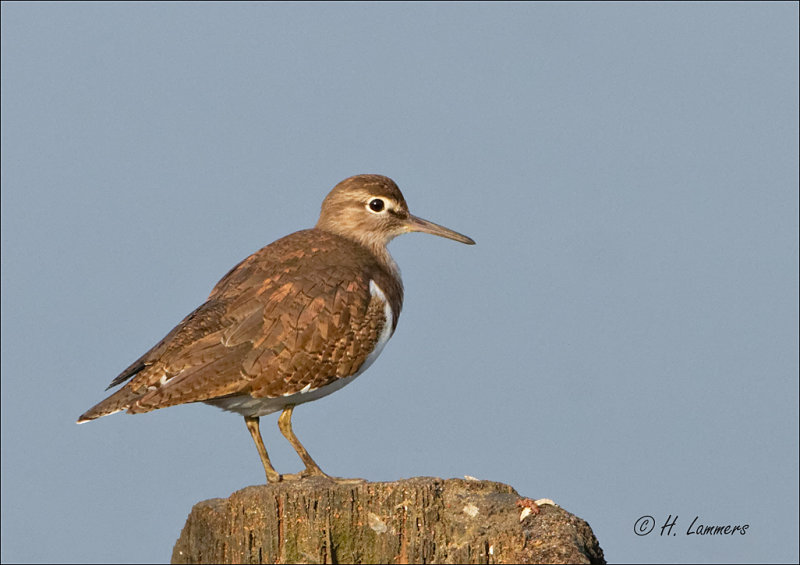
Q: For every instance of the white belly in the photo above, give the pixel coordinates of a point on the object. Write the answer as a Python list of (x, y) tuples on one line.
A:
[(246, 405)]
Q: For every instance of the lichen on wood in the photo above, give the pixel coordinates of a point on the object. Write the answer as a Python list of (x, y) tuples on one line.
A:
[(420, 520)]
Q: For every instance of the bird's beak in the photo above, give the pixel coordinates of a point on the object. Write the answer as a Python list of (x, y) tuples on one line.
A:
[(418, 224)]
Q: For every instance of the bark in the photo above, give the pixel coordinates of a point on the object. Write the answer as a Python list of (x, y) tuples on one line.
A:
[(419, 520)]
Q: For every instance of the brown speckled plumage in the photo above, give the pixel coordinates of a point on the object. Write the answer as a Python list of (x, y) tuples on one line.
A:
[(272, 326), (296, 316)]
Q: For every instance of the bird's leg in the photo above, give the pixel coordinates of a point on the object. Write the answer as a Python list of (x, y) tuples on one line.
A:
[(285, 425), (312, 469), (252, 424)]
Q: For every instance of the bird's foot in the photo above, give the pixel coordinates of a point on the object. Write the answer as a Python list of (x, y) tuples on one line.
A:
[(311, 472), (347, 480)]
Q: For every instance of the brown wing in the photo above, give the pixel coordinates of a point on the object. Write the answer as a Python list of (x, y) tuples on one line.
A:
[(273, 325)]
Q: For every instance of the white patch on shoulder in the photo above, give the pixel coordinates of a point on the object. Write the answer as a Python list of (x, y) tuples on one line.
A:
[(387, 330)]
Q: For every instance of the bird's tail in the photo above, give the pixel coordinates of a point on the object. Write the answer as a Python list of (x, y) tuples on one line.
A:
[(117, 402)]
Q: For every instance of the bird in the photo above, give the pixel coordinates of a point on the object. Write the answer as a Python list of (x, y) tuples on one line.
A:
[(293, 322)]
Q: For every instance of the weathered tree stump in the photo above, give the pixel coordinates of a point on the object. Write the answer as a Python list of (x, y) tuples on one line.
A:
[(420, 520)]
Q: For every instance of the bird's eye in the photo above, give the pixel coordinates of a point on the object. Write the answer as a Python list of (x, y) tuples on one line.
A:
[(376, 205)]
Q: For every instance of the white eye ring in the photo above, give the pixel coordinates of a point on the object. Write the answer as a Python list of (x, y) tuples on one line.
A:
[(376, 206)]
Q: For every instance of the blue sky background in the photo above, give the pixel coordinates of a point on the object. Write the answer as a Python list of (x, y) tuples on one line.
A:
[(623, 338)]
